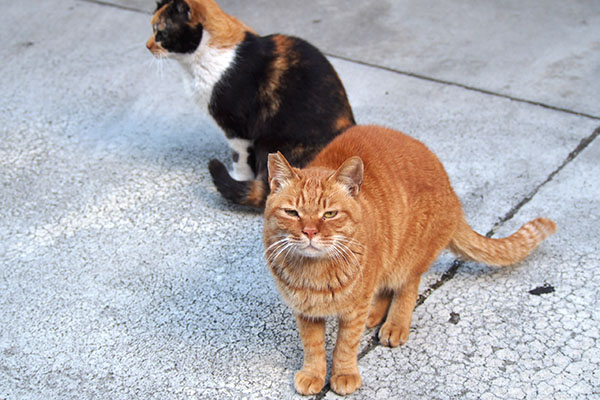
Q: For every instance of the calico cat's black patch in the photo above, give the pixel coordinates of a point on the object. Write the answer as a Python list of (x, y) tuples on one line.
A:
[(161, 3), (178, 36), (231, 189), (282, 94)]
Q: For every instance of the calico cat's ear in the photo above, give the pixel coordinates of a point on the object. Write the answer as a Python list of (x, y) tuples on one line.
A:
[(350, 175), (280, 171), (161, 3), (178, 8), (183, 8)]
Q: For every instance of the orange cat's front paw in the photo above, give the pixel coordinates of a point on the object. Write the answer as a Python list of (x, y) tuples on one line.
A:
[(393, 335), (306, 383), (345, 384)]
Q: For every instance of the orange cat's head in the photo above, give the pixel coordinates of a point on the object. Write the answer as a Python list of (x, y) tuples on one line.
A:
[(314, 212)]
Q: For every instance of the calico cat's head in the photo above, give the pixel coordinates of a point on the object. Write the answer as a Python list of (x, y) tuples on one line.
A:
[(180, 25), (173, 29), (314, 212)]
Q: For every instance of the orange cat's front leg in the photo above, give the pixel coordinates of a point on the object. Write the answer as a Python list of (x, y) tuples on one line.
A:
[(345, 377), (311, 378)]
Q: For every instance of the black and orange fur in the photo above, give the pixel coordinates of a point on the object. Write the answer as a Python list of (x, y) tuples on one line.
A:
[(280, 93)]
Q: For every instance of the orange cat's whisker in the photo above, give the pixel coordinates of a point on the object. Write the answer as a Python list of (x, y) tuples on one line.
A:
[(344, 248), (334, 253), (340, 254), (279, 247), (349, 240), (277, 243)]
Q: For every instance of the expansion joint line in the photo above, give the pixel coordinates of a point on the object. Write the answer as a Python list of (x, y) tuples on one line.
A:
[(585, 142), (120, 7), (464, 86), (457, 264)]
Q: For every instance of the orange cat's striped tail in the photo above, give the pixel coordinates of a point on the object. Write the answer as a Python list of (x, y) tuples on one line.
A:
[(500, 252)]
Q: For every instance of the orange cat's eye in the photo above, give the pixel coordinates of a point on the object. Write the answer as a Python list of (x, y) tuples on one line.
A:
[(292, 213), (330, 214)]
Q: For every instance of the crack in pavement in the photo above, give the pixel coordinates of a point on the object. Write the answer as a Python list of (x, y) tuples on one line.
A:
[(585, 142), (114, 5), (464, 86)]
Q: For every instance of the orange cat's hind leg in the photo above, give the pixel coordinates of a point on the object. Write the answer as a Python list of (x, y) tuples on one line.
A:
[(379, 308), (396, 328)]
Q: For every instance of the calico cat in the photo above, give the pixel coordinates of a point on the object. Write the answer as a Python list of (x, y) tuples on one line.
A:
[(352, 233), (267, 93)]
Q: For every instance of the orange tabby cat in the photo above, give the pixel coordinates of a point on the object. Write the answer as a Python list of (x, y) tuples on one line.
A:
[(351, 234)]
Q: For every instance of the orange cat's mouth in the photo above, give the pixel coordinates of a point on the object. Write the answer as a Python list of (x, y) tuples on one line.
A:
[(290, 246), (311, 250), (312, 246)]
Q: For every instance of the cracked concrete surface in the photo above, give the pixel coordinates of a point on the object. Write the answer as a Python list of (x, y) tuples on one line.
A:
[(124, 275)]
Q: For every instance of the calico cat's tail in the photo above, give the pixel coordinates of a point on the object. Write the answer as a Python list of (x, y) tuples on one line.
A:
[(250, 193), (500, 252)]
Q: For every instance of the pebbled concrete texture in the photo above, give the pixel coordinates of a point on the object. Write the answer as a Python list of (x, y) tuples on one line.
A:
[(124, 275)]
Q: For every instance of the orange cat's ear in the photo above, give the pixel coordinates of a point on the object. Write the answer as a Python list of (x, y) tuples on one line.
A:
[(350, 174), (280, 171)]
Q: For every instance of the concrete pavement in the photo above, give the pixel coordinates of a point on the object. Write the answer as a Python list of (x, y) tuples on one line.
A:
[(124, 275)]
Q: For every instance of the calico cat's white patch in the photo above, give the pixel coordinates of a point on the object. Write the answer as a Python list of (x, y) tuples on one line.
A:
[(205, 67), (242, 171)]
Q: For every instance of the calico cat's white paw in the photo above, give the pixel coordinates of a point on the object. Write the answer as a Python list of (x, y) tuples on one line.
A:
[(242, 172)]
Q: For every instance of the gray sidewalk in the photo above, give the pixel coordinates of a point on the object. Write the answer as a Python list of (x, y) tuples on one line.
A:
[(124, 275)]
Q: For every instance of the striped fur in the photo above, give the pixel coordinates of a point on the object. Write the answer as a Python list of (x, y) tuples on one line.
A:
[(500, 252), (350, 236)]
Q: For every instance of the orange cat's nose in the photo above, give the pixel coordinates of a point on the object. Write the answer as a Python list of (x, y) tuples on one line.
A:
[(310, 231)]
